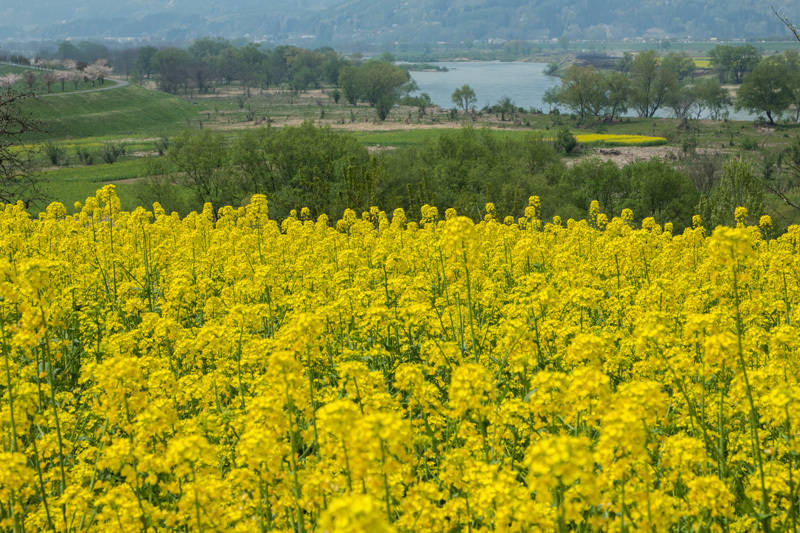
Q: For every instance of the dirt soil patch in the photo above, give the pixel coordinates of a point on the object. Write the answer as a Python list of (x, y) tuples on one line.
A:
[(624, 155)]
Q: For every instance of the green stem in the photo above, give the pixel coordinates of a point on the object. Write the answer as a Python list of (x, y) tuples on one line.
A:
[(469, 307), (293, 460), (52, 387), (764, 508), (6, 357), (386, 483)]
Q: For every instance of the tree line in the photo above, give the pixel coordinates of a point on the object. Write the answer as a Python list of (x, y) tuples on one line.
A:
[(647, 83), (210, 62), (326, 171), (57, 72)]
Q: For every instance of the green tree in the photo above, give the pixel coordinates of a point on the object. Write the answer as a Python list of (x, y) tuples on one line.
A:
[(173, 67), (550, 98), (272, 159), (158, 184), (202, 162), (661, 191), (618, 88), (625, 62), (464, 169), (651, 84), (595, 179), (227, 65), (251, 156), (733, 62), (464, 97), (583, 91), (332, 66), (208, 47), (92, 51), (278, 64), (681, 63), (383, 84), (305, 68), (683, 102), (745, 60), (505, 106), (738, 187), (767, 89), (309, 166), (144, 59), (565, 141), (712, 98), (350, 84), (792, 59), (67, 50), (422, 102), (250, 60)]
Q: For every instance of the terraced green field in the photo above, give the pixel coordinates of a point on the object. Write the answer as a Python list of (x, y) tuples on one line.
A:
[(130, 110)]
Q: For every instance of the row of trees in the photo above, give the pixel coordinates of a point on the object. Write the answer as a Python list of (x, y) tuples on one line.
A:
[(644, 83), (212, 61), (209, 62), (732, 62), (329, 171), (295, 166), (96, 72), (647, 83)]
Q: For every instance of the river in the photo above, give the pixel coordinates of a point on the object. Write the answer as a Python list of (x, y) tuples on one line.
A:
[(524, 83)]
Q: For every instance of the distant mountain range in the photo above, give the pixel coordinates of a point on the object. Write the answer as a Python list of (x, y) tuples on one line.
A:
[(380, 21)]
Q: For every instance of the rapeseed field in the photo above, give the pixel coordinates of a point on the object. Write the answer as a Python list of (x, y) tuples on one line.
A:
[(228, 372), (608, 139)]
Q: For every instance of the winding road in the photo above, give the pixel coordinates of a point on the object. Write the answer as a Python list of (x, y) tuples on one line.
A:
[(120, 84)]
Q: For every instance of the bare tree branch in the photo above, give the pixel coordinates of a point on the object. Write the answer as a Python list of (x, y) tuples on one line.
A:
[(779, 194), (18, 179), (787, 22)]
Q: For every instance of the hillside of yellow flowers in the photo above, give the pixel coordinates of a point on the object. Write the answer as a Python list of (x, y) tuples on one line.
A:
[(228, 372)]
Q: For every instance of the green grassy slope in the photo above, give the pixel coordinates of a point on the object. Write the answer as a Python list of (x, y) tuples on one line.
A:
[(127, 110)]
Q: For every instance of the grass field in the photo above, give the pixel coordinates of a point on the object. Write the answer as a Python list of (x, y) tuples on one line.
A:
[(127, 111), (76, 183)]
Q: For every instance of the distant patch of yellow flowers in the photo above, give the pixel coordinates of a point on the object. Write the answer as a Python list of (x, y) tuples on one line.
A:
[(619, 140)]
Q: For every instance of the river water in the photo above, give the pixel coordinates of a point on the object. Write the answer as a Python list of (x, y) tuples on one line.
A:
[(524, 83)]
